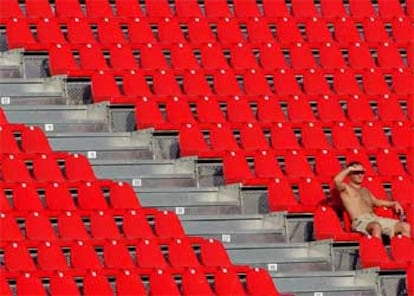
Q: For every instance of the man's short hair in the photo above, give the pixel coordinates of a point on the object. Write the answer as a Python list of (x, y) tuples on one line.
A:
[(352, 163)]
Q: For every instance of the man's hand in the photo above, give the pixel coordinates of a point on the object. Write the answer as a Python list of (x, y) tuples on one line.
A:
[(398, 208), (355, 168)]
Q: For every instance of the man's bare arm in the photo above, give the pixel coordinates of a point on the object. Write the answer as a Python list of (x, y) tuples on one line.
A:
[(387, 203), (340, 177)]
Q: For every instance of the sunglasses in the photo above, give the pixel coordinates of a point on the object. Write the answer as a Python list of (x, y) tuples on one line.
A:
[(358, 173)]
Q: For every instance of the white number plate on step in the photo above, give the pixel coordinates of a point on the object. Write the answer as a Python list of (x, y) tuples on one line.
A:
[(226, 238), (91, 154), (180, 210), (5, 100), (49, 127), (272, 267), (136, 182)]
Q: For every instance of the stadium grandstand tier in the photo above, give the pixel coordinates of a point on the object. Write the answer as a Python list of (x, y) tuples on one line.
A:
[(187, 147)]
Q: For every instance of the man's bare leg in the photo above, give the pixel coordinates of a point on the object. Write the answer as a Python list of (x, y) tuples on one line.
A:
[(403, 228), (374, 229)]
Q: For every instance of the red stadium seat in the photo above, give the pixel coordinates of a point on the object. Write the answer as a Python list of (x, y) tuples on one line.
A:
[(315, 83), (313, 137), (90, 197), (192, 141), (271, 57), (68, 9), (162, 283), (237, 170), (212, 57), (38, 8), (252, 138), (158, 9), (374, 83), (227, 282), (17, 258), (269, 111), (194, 282), (71, 227), (317, 31), (83, 256), (139, 32), (275, 9), (283, 137), (58, 197), (116, 255), (402, 190), (259, 282), (122, 58), (359, 109), (188, 9), (217, 9), (169, 31), (9, 9), (301, 57), (288, 32), (222, 138), (259, 32), (127, 282), (96, 284), (98, 9), (299, 110), (181, 254), (304, 9), (103, 226), (9, 230), (242, 57), (39, 227), (26, 198), (239, 111), (135, 85), (167, 225), (29, 284), (373, 136), (332, 9), (135, 226), (266, 165), (149, 255), (182, 57), (128, 9), (296, 165), (123, 196), (246, 8), (360, 57), (286, 83), (330, 110), (228, 32), (330, 56), (61, 284), (195, 84), (78, 168), (361, 8), (374, 30), (34, 140), (165, 84), (199, 31), (346, 31), (225, 83), (51, 258)]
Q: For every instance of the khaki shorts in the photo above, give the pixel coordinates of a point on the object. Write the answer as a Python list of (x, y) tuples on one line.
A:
[(360, 224)]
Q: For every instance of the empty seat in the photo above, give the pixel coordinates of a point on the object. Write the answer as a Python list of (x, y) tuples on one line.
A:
[(9, 229), (162, 283), (71, 227), (259, 282), (91, 58), (186, 8), (128, 282), (62, 61), (402, 248), (246, 8), (128, 9), (228, 32), (239, 111), (34, 140), (301, 57), (83, 256), (346, 31), (96, 284), (18, 34), (217, 9), (116, 255), (287, 31), (148, 114), (9, 9), (62, 284), (299, 110), (388, 163), (103, 226), (359, 109), (227, 282), (225, 83), (222, 138), (8, 143), (330, 56), (165, 84), (212, 57), (29, 284), (199, 31), (90, 197), (46, 168), (152, 57), (98, 9), (58, 197), (182, 57), (242, 57), (315, 83), (361, 8), (192, 141), (237, 170), (78, 168), (49, 32), (266, 165), (271, 57), (181, 254), (328, 226), (373, 136), (402, 30), (329, 110), (327, 164), (195, 84), (139, 32), (135, 226), (402, 135), (345, 82), (317, 30), (169, 31), (372, 253), (208, 111), (51, 258), (359, 56), (259, 32), (389, 109), (158, 8), (213, 254), (68, 9), (304, 9), (275, 9), (286, 83), (374, 83), (402, 82), (17, 258), (281, 197), (149, 255), (283, 137), (14, 169), (269, 110), (122, 58), (194, 282), (332, 9), (167, 225), (402, 190), (389, 56), (252, 138), (135, 85), (26, 198), (123, 196), (313, 137), (79, 31), (296, 165), (39, 227), (179, 112), (374, 30), (311, 194)]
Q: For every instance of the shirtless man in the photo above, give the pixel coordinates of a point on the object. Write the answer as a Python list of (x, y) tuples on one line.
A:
[(359, 202)]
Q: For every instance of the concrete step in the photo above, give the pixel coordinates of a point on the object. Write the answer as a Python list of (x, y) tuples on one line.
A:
[(11, 64), (343, 283), (284, 257), (193, 200), (237, 228)]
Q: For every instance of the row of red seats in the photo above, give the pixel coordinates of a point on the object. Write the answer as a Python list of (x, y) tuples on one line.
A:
[(227, 281), (138, 32), (221, 137), (67, 196), (174, 112), (128, 225), (268, 58), (211, 9), (255, 83), (76, 256), (295, 166)]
